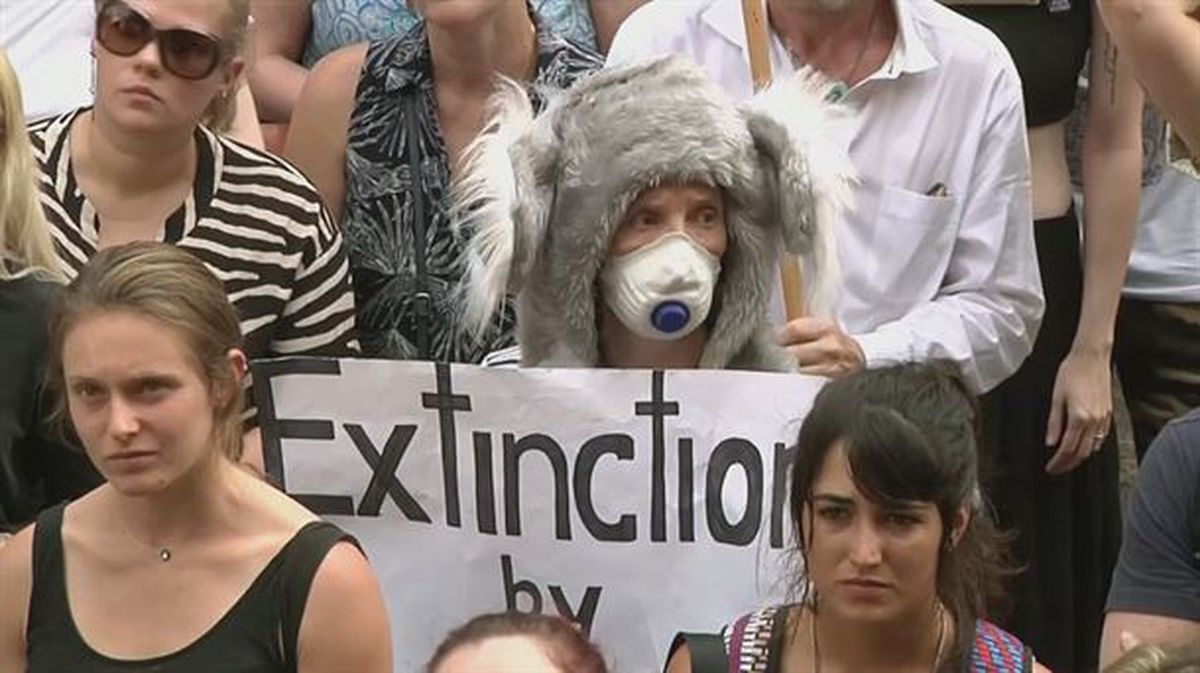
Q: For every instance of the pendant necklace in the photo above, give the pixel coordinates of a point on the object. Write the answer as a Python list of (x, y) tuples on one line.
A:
[(937, 655), (163, 552), (841, 86)]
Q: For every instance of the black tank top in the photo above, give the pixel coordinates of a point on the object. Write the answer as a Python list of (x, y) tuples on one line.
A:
[(1048, 42), (257, 635)]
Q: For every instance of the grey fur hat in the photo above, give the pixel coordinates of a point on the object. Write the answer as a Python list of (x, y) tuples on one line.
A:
[(542, 198)]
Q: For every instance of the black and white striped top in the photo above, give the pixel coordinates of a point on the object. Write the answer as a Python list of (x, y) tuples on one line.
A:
[(252, 218)]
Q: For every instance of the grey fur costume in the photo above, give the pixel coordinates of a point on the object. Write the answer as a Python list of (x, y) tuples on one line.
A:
[(542, 198)]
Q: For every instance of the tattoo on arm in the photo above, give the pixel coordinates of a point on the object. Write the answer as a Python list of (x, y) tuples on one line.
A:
[(1110, 67)]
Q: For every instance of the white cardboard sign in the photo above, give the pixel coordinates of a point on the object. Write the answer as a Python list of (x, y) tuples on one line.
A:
[(637, 503)]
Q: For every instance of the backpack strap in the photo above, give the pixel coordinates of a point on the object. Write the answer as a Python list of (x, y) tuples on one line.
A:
[(707, 651)]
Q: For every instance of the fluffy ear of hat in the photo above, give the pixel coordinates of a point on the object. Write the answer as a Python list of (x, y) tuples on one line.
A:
[(811, 171), (502, 200)]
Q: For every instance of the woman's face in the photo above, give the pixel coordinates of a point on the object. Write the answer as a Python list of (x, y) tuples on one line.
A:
[(141, 90), (503, 654), (868, 562), (137, 399)]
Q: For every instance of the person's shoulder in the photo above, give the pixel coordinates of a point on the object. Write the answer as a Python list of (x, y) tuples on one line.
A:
[(659, 27), (29, 294), (274, 509), (344, 62), (49, 131), (671, 16), (955, 40), (1176, 450), (251, 165), (42, 124), (16, 576), (565, 58), (505, 358)]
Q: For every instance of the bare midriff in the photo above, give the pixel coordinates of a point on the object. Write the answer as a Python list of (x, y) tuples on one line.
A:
[(1048, 169)]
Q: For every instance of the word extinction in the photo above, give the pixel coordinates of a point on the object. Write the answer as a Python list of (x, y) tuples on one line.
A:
[(496, 458)]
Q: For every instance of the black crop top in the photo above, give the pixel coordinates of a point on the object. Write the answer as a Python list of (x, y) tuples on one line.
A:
[(1048, 47)]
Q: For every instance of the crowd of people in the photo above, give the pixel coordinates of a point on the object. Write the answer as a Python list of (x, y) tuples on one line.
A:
[(575, 183)]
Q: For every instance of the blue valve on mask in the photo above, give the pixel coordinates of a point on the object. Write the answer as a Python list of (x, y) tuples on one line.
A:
[(670, 316)]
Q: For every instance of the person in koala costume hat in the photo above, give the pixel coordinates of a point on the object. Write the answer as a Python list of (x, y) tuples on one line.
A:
[(640, 219)]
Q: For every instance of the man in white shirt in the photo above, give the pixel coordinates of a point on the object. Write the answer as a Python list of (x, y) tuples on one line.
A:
[(936, 248)]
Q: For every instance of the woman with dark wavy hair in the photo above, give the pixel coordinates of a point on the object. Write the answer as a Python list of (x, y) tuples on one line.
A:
[(901, 558)]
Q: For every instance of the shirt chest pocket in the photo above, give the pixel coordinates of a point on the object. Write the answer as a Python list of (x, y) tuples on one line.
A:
[(913, 239)]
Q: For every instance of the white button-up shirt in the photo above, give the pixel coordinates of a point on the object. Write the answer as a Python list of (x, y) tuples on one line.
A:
[(924, 276)]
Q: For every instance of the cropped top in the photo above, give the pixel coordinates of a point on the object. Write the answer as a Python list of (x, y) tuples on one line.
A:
[(1049, 44)]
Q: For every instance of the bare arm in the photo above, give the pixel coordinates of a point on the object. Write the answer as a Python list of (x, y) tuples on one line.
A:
[(281, 30), (1112, 187), (16, 577), (1112, 174), (316, 140), (1162, 42), (680, 661), (345, 625), (607, 16), (1151, 629)]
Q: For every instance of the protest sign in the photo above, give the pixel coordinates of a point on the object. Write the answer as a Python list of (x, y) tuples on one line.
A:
[(637, 503)]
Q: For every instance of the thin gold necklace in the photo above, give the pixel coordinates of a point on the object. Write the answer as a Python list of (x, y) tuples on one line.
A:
[(163, 552), (937, 655)]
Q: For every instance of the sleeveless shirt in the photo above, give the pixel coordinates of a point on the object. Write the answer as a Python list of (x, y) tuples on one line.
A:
[(257, 635)]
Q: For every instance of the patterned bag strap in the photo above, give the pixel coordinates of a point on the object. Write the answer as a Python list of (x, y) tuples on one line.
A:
[(998, 651)]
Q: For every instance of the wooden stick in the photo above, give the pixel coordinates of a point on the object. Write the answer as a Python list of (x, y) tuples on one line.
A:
[(757, 45)]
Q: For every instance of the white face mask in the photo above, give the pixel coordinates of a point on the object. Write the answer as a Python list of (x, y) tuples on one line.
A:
[(662, 290)]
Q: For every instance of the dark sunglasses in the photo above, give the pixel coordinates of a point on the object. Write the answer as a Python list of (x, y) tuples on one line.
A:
[(185, 53)]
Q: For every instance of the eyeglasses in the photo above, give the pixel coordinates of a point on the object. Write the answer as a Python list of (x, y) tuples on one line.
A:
[(185, 53)]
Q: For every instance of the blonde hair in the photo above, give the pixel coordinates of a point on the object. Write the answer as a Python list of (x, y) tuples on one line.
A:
[(222, 109), (1147, 658), (25, 245), (168, 285)]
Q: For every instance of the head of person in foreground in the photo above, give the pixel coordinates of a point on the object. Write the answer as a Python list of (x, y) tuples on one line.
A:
[(515, 642)]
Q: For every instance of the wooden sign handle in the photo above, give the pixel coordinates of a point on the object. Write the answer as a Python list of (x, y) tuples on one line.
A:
[(754, 15)]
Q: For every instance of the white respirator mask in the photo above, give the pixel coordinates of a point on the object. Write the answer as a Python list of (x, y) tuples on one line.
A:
[(662, 290)]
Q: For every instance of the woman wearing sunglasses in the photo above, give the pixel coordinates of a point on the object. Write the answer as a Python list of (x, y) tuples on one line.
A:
[(141, 166)]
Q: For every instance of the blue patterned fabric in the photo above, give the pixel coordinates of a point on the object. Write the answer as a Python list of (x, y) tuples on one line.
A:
[(404, 259), (337, 23)]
